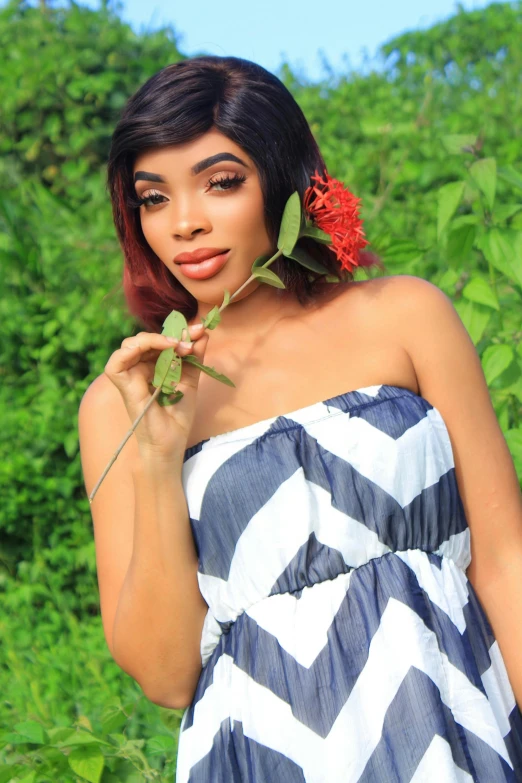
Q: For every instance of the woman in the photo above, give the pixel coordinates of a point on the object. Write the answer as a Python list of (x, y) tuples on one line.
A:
[(289, 558)]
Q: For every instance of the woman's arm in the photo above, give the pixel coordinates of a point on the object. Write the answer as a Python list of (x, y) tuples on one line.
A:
[(152, 609), (450, 377)]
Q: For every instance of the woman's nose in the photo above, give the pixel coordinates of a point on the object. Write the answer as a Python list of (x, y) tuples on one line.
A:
[(189, 221)]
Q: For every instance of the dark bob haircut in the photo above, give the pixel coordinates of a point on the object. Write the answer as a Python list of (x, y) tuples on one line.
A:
[(255, 110)]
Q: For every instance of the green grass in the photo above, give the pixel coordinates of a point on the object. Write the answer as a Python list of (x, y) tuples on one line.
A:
[(67, 712)]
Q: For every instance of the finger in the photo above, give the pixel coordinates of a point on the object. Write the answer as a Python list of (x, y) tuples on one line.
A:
[(196, 331), (200, 346), (133, 349)]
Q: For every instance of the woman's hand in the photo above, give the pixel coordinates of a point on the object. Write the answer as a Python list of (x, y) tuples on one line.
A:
[(164, 430)]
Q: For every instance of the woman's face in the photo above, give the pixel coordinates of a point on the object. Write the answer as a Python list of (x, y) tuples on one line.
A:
[(210, 198)]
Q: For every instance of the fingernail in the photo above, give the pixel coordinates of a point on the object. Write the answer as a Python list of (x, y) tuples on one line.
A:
[(172, 339), (184, 344), (196, 328)]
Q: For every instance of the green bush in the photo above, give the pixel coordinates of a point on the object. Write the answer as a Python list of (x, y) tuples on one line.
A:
[(57, 118)]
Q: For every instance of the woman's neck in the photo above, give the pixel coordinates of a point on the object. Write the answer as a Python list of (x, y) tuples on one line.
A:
[(254, 313)]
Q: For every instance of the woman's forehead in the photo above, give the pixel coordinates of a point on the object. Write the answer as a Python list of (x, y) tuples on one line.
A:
[(188, 154)]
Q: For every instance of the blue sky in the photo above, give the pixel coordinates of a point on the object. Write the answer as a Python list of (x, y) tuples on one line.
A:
[(271, 31), (298, 31)]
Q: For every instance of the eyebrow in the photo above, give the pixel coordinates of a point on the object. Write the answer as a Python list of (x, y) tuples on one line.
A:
[(196, 169)]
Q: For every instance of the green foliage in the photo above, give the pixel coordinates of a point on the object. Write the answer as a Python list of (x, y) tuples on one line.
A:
[(427, 147), (67, 711), (167, 372), (211, 371), (290, 224), (57, 118)]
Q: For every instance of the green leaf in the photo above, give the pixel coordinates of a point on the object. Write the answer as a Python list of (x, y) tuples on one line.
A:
[(496, 359), (448, 280), (171, 718), (460, 244), (208, 370), (33, 731), (114, 717), (484, 174), (87, 762), (501, 249), (515, 260), (474, 316), (8, 772), (316, 233), (10, 738), (59, 734), (82, 738), (290, 225), (169, 399), (479, 290), (213, 317), (449, 197), (514, 442), (29, 777), (306, 260), (267, 276), (510, 174), (260, 261), (458, 143), (503, 212), (402, 250), (162, 743), (173, 326), (167, 358), (118, 739), (226, 298)]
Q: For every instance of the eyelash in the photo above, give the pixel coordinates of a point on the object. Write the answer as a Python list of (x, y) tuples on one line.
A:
[(232, 182)]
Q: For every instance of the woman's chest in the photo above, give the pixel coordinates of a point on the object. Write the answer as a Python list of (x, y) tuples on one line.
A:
[(304, 360)]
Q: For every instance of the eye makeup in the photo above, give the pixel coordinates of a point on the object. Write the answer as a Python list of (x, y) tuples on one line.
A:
[(223, 182)]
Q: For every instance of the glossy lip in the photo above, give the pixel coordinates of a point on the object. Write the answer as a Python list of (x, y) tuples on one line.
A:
[(202, 270), (202, 254)]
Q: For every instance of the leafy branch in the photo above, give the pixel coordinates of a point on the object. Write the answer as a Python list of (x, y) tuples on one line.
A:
[(168, 369)]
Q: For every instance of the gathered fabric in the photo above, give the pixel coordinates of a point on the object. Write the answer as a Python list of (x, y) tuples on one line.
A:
[(343, 640)]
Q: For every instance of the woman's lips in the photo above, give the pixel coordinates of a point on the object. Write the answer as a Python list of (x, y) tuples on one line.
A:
[(203, 269)]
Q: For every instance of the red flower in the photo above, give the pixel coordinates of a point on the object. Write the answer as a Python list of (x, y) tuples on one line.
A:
[(332, 208)]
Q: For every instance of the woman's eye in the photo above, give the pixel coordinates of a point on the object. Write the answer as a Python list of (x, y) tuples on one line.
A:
[(226, 182), (149, 199), (219, 184)]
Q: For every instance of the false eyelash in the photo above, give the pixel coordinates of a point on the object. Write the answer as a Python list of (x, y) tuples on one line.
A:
[(233, 181), (136, 203)]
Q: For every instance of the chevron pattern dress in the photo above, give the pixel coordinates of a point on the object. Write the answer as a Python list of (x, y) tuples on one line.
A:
[(343, 641)]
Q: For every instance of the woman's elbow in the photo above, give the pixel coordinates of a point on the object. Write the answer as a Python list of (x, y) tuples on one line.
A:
[(171, 701), (178, 697)]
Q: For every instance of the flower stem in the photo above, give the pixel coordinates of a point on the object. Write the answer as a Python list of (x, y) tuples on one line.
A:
[(252, 277), (159, 388), (127, 436)]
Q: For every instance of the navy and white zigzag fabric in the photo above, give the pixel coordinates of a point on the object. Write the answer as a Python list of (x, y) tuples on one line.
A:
[(343, 641)]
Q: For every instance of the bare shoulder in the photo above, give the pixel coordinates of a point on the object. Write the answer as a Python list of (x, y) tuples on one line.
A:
[(101, 391), (451, 378), (102, 399), (383, 297), (392, 291), (390, 303), (427, 325), (383, 307)]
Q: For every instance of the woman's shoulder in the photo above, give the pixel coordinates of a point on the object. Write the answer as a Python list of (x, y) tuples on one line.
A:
[(382, 300)]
